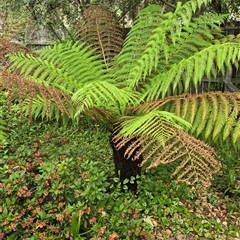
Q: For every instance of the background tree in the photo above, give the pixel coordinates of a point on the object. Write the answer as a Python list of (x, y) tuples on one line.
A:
[(62, 18)]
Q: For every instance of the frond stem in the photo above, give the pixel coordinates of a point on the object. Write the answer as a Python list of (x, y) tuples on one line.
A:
[(100, 42)]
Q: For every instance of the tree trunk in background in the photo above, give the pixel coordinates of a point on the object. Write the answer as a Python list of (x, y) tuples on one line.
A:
[(3, 22)]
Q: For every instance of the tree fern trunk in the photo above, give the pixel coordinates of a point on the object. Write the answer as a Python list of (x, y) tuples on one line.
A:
[(125, 168)]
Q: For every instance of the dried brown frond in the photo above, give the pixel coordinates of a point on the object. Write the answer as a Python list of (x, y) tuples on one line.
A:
[(97, 114), (11, 30), (9, 47), (100, 28), (197, 160), (17, 86)]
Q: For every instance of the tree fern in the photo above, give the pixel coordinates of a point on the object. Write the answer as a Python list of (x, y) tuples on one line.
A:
[(163, 55)]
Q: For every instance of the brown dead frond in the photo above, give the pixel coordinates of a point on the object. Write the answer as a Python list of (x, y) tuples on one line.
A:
[(100, 28), (17, 86), (9, 47), (12, 30), (97, 114), (197, 160)]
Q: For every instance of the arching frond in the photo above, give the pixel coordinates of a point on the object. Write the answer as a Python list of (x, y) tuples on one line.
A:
[(152, 124), (104, 95), (197, 35), (197, 160), (67, 66), (135, 43), (213, 115), (193, 68), (19, 87), (157, 43)]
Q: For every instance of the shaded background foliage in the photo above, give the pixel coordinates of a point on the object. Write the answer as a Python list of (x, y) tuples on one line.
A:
[(60, 19)]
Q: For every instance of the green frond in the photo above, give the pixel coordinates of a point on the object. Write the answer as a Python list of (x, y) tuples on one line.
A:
[(157, 43), (230, 123), (194, 66), (22, 63), (210, 64), (66, 66), (135, 43), (205, 111), (219, 124), (105, 95), (214, 105), (236, 132), (197, 115), (233, 118), (209, 127), (46, 109), (152, 125)]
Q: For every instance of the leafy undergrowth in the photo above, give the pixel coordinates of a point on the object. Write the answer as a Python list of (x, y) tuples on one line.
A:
[(54, 180)]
